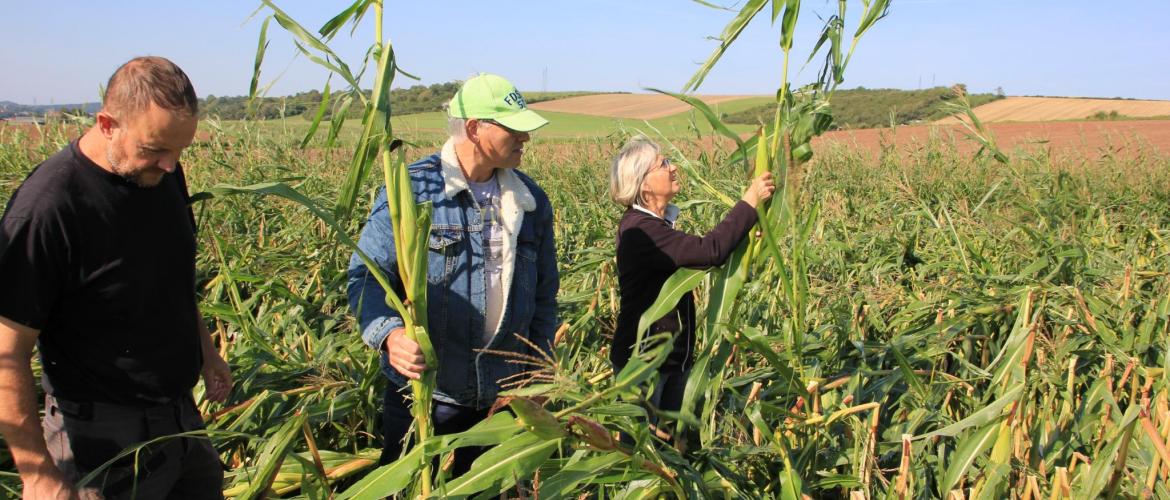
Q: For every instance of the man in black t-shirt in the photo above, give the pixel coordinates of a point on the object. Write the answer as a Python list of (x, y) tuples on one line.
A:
[(97, 262)]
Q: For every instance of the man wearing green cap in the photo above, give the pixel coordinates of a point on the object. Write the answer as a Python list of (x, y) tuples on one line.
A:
[(491, 275)]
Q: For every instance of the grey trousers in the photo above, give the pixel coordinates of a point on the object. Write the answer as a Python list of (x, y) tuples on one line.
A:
[(82, 437)]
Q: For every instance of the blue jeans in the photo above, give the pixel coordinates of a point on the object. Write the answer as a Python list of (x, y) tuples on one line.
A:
[(445, 417)]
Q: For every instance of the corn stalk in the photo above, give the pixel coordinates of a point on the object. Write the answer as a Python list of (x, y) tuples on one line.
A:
[(782, 147), (410, 220)]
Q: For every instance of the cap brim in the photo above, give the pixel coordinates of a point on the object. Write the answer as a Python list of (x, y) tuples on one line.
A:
[(525, 121)]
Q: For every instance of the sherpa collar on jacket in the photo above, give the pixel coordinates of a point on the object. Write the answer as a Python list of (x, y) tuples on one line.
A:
[(454, 181), (515, 199)]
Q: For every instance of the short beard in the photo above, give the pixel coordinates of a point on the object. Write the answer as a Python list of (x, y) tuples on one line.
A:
[(133, 178)]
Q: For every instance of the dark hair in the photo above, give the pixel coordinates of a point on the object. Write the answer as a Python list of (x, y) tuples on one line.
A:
[(145, 80)]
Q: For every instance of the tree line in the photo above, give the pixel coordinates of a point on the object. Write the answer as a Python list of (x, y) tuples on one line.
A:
[(405, 101), (415, 99)]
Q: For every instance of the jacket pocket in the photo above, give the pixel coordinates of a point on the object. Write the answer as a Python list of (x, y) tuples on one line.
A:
[(444, 244)]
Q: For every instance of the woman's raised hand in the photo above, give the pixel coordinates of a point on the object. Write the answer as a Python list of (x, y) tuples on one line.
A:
[(761, 189)]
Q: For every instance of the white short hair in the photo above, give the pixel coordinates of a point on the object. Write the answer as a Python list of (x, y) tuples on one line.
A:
[(630, 167), (456, 128)]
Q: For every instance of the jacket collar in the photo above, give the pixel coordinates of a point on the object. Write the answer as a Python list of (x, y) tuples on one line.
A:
[(671, 214), (511, 187)]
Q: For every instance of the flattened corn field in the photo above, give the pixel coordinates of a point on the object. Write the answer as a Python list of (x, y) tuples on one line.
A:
[(970, 325)]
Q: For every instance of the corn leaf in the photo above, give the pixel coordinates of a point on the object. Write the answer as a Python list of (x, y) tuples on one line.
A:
[(969, 449), (337, 120), (730, 33), (565, 483), (1007, 368), (1102, 469), (981, 417), (305, 37), (488, 432), (682, 281), (873, 12), (387, 480), (791, 486), (318, 116), (500, 467), (752, 339), (261, 48), (788, 25), (331, 27), (711, 117), (375, 131), (272, 456)]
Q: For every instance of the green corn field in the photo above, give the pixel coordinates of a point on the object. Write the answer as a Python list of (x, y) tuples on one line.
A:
[(933, 322), (952, 300)]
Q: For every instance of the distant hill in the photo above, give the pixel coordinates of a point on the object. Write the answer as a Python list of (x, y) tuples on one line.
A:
[(868, 108), (9, 109)]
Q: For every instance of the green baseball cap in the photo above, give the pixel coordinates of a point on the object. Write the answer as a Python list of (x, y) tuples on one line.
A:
[(492, 97)]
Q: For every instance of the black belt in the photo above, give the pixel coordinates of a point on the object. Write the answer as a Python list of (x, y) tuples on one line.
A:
[(94, 410)]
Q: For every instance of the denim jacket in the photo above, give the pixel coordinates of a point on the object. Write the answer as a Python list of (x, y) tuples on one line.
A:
[(469, 373)]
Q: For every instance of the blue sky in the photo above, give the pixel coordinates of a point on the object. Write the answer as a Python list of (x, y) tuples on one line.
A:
[(62, 52)]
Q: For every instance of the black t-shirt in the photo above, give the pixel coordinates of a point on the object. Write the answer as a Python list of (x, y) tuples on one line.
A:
[(105, 270)]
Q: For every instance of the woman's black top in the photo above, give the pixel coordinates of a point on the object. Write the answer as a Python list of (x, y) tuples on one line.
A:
[(649, 250)]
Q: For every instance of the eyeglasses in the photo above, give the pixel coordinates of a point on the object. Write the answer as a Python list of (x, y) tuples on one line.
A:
[(665, 164), (496, 123)]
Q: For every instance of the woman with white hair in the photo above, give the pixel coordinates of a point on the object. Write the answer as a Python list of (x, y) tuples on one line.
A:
[(650, 249)]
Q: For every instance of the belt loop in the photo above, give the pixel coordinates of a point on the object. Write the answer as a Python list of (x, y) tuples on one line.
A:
[(80, 411)]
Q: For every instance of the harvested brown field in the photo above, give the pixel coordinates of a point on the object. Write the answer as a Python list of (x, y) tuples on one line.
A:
[(1037, 109), (635, 106), (1092, 139)]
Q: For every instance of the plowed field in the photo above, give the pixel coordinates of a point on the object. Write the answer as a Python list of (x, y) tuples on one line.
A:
[(1092, 139), (636, 106), (1037, 109)]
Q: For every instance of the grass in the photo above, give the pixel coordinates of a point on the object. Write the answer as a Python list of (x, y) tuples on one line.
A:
[(1115, 116)]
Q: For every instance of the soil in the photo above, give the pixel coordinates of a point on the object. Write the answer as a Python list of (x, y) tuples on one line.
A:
[(1089, 138), (1038, 109)]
